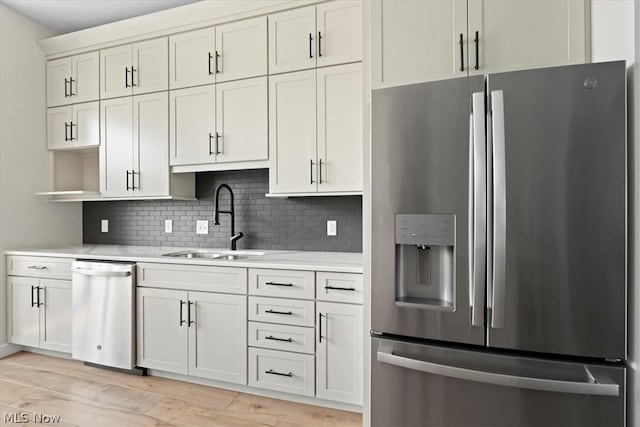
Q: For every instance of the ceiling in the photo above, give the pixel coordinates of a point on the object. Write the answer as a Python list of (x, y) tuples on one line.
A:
[(65, 16)]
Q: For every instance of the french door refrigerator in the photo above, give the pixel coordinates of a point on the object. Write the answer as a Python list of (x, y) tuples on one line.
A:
[(499, 250)]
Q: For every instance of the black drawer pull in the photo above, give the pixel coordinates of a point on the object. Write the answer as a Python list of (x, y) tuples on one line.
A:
[(288, 313), (36, 267), (278, 284), (272, 372), (271, 337), (338, 288)]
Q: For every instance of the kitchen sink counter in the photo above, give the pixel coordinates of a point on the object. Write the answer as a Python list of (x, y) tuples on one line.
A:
[(345, 262)]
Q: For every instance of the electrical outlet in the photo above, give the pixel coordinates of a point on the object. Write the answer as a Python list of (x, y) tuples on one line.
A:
[(202, 227), (104, 225), (168, 226), (332, 228)]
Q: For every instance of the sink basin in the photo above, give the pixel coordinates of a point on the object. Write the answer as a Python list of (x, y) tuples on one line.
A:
[(207, 254)]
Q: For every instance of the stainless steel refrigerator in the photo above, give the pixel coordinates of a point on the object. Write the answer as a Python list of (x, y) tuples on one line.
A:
[(499, 250)]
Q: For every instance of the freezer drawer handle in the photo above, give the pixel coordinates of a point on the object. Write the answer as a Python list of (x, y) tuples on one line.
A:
[(601, 386), (100, 273)]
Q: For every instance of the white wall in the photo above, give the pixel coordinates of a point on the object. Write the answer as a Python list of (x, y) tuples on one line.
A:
[(25, 220), (615, 34)]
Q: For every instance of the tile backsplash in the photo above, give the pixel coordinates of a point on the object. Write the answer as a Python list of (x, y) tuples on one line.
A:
[(297, 223)]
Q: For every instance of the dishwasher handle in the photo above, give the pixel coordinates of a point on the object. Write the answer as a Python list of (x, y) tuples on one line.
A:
[(100, 273)]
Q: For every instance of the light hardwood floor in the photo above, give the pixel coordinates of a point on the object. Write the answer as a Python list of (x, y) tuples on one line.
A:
[(86, 396)]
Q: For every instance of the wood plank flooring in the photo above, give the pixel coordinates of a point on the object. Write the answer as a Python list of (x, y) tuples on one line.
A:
[(86, 396)]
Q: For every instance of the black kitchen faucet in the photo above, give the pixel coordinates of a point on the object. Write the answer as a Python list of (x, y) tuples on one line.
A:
[(216, 218)]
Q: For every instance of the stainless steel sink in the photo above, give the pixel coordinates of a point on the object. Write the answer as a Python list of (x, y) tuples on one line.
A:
[(207, 254)]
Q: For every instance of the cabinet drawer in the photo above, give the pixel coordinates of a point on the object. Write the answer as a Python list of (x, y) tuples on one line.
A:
[(282, 337), (274, 310), (228, 280), (282, 371), (339, 287), (48, 268), (282, 283)]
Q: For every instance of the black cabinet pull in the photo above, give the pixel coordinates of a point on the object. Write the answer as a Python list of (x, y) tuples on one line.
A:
[(209, 63), (311, 171), (320, 171), (272, 372), (128, 187), (278, 284), (217, 64), (310, 43), (338, 288), (319, 44), (37, 267), (320, 327), (133, 81), (38, 303), (126, 77), (288, 313), (71, 86), (133, 180), (189, 321), (461, 53), (476, 40), (218, 144), (71, 125), (32, 299), (211, 153), (66, 82), (66, 133), (271, 337), (181, 317)]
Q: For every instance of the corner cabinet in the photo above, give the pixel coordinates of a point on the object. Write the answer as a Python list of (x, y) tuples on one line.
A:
[(315, 131), (418, 41)]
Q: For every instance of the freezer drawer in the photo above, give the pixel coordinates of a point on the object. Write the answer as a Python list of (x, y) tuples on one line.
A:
[(424, 385)]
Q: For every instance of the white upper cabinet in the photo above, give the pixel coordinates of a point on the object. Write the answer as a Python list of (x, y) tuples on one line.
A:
[(242, 49), (525, 34), (134, 69), (192, 58), (292, 40), (73, 79), (116, 153), (241, 120), (73, 126), (339, 110), (292, 132), (417, 41), (339, 32), (192, 116)]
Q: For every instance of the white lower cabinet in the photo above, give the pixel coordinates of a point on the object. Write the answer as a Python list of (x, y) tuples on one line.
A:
[(193, 333), (39, 313), (339, 355)]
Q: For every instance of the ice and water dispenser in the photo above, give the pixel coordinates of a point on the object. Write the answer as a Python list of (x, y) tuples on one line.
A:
[(425, 270)]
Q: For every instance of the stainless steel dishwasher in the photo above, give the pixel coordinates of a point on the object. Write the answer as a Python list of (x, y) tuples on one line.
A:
[(103, 295)]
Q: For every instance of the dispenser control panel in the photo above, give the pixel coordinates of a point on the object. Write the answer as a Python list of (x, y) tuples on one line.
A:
[(425, 229)]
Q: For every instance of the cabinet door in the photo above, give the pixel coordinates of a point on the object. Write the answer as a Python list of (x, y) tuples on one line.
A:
[(218, 337), (55, 315), (340, 128), (339, 34), (241, 120), (192, 58), (292, 40), (192, 118), (86, 80), (242, 47), (85, 126), (150, 66), (115, 78), (58, 121), (339, 356), (526, 34), (162, 329), (23, 314), (292, 132), (58, 75), (151, 144), (417, 41), (116, 148)]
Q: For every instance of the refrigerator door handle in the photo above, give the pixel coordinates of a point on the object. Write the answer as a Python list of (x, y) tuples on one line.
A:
[(499, 210), (478, 208), (601, 385)]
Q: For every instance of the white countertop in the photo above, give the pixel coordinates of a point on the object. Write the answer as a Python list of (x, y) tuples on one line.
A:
[(345, 262)]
